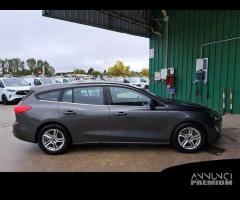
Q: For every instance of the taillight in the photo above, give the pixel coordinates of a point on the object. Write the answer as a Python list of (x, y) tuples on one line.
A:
[(21, 109)]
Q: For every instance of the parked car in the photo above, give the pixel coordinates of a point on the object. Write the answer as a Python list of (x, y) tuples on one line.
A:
[(139, 82), (36, 81), (117, 79), (12, 89), (104, 112), (60, 79)]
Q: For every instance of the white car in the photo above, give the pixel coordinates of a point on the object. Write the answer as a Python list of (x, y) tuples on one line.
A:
[(13, 89), (139, 82), (63, 79), (36, 81)]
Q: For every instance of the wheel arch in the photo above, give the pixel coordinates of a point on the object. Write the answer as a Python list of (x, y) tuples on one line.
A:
[(201, 125)]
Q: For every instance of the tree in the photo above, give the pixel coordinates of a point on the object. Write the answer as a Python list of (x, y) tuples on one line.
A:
[(31, 63), (119, 69), (2, 70), (79, 71), (49, 70), (144, 72), (134, 73), (96, 73), (90, 70)]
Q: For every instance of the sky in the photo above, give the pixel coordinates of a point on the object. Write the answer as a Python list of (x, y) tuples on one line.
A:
[(66, 45)]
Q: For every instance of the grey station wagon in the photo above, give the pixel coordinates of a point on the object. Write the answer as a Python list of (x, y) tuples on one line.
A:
[(59, 115)]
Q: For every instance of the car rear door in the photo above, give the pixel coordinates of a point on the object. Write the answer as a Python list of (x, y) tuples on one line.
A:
[(85, 111), (132, 120)]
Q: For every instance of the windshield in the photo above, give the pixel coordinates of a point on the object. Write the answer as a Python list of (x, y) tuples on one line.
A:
[(15, 82), (47, 81)]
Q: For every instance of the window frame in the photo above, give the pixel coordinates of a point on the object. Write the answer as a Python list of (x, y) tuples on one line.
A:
[(110, 101), (105, 102), (54, 90)]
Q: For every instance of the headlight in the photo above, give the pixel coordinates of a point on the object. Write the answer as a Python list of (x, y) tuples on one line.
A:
[(216, 116), (11, 90)]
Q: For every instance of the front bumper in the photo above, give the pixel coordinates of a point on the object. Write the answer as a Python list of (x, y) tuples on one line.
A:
[(12, 97), (214, 132)]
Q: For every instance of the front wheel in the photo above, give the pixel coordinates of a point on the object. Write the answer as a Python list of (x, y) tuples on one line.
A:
[(5, 100), (188, 138), (54, 139)]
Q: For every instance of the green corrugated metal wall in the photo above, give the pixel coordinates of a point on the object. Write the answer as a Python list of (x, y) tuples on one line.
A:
[(187, 31)]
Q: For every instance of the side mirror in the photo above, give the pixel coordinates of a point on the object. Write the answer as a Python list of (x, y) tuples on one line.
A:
[(152, 104), (30, 84)]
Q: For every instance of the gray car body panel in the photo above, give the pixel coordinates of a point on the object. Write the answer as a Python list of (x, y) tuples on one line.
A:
[(98, 123)]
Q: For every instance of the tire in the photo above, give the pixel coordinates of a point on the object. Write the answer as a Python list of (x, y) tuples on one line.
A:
[(146, 87), (4, 100), (54, 139), (184, 142)]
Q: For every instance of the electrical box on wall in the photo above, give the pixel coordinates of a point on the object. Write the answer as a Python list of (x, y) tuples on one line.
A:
[(157, 76), (201, 70), (164, 73), (171, 70)]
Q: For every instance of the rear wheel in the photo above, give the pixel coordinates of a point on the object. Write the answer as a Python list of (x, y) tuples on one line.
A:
[(4, 99), (54, 139), (188, 138)]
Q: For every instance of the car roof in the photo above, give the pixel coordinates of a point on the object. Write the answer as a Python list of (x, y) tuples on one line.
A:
[(74, 84)]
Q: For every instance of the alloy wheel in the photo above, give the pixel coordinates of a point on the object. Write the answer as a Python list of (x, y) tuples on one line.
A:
[(189, 138), (53, 139)]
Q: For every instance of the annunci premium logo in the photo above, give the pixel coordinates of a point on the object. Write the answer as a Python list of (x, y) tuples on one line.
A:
[(211, 178)]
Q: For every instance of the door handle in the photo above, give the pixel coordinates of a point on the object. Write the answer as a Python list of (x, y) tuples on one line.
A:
[(120, 114), (69, 112)]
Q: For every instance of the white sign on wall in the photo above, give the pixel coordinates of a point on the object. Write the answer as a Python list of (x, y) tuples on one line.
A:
[(157, 76), (151, 53)]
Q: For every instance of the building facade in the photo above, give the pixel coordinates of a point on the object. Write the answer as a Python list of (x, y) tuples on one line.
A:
[(188, 30)]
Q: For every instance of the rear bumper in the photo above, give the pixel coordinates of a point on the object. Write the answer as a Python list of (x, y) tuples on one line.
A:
[(23, 133)]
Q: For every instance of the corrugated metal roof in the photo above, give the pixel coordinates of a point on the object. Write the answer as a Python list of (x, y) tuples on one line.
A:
[(135, 22)]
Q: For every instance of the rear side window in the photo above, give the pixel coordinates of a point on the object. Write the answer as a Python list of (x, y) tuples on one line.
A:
[(89, 95), (50, 96), (67, 96)]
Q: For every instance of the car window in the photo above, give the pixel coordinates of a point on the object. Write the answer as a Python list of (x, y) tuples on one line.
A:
[(50, 96), (124, 96), (65, 80), (67, 96), (1, 84), (37, 82), (89, 95)]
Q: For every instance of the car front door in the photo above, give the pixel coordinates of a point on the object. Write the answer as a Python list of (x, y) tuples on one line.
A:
[(132, 120), (85, 111)]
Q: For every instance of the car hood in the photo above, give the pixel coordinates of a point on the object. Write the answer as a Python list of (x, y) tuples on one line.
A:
[(18, 88), (182, 105)]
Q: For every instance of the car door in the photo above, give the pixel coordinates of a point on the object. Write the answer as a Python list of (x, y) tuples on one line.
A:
[(1, 89), (85, 111), (132, 120)]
